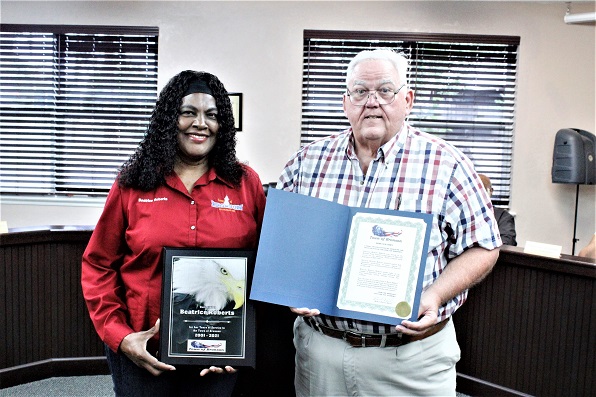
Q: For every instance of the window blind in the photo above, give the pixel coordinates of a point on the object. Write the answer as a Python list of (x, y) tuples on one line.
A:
[(74, 104), (464, 91)]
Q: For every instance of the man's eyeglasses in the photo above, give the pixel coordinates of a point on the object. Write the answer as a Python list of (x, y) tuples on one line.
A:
[(384, 95)]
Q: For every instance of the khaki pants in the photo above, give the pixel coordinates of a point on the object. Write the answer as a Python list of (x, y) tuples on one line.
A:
[(327, 366)]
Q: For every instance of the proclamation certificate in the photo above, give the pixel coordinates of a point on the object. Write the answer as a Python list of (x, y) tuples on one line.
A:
[(353, 262), (382, 264)]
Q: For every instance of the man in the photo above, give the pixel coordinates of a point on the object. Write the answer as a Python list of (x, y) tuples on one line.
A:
[(589, 251), (505, 220), (382, 162)]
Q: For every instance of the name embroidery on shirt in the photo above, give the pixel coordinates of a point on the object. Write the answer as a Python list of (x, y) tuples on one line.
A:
[(226, 205), (143, 200)]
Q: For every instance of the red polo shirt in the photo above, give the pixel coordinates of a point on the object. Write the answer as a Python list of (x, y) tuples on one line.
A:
[(122, 269)]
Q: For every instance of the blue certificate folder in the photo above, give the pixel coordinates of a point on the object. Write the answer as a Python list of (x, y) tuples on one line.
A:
[(301, 253)]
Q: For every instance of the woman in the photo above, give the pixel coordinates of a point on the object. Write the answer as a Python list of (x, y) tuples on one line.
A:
[(164, 196)]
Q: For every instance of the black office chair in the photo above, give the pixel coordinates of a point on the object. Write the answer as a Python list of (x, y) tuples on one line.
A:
[(266, 186)]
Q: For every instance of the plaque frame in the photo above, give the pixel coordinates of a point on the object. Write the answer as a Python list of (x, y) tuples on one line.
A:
[(191, 334)]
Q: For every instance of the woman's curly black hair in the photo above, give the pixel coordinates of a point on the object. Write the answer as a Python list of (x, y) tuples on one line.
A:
[(155, 157)]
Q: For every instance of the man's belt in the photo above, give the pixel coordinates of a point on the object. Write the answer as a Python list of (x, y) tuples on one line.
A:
[(357, 339)]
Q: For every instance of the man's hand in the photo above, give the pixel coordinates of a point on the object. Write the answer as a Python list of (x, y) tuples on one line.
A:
[(305, 311), (462, 273), (135, 347), (427, 316)]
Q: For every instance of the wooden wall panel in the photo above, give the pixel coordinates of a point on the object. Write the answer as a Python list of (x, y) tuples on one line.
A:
[(530, 327), (43, 311)]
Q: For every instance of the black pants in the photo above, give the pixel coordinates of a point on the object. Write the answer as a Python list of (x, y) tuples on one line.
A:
[(133, 381)]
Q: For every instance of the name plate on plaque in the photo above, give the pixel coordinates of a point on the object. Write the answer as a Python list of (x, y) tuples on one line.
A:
[(206, 317)]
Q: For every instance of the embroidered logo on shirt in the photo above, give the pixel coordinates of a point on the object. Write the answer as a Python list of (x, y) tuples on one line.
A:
[(149, 200), (226, 205)]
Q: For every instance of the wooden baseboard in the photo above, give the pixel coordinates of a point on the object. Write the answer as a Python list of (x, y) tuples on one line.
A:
[(477, 387), (55, 367)]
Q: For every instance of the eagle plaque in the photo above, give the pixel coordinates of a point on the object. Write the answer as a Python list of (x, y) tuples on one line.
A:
[(206, 316)]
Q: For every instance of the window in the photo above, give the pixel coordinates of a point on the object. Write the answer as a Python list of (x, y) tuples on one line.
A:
[(464, 91), (74, 104)]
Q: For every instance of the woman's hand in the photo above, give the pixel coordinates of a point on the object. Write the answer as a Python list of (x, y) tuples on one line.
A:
[(217, 370), (134, 346)]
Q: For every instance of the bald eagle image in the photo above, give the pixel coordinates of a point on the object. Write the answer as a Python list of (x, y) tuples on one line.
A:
[(208, 300), (211, 285)]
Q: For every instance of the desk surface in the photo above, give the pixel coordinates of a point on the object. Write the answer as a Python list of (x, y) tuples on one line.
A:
[(566, 263)]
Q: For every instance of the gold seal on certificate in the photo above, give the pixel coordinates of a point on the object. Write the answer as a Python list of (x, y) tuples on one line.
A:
[(206, 317), (403, 309)]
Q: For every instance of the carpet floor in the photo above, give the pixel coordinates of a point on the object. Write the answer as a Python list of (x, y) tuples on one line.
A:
[(68, 386), (71, 386)]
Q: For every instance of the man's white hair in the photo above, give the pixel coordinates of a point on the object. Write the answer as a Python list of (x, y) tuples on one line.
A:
[(398, 60)]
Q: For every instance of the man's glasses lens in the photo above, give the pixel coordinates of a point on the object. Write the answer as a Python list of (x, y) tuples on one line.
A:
[(384, 96)]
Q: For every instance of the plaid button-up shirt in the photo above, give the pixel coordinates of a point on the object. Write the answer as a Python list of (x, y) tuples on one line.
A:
[(414, 171)]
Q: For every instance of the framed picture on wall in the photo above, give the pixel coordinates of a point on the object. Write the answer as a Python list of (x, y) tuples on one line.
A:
[(236, 99)]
